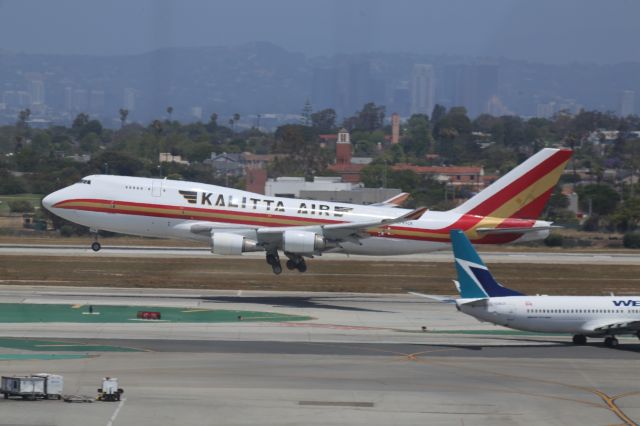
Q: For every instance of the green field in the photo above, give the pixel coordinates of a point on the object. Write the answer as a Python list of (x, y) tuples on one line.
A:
[(34, 199), (27, 313)]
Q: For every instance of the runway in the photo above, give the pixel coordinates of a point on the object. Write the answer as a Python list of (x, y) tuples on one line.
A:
[(361, 359), (557, 256)]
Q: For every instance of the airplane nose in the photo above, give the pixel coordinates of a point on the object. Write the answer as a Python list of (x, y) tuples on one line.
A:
[(50, 200)]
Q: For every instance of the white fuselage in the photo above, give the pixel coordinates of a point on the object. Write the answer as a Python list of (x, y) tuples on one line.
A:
[(555, 314), (169, 209)]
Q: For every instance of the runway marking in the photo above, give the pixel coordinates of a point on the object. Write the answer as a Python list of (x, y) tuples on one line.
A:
[(190, 311), (115, 413), (609, 401)]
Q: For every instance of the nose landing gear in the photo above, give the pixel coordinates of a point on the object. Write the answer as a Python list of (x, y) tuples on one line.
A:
[(95, 246)]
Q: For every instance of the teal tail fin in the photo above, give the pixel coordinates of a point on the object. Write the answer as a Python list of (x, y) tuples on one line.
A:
[(474, 279)]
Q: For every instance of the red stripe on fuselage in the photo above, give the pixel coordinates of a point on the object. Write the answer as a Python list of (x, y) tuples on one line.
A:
[(466, 222)]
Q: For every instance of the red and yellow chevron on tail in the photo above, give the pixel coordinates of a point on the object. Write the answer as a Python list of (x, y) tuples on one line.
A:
[(524, 191)]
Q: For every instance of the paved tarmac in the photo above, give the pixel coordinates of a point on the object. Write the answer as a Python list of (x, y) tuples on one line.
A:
[(545, 257), (362, 359)]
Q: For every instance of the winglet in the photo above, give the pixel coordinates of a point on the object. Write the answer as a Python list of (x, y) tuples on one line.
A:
[(395, 201), (412, 215)]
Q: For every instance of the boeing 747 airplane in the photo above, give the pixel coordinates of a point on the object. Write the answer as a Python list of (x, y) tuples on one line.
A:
[(583, 316), (234, 221)]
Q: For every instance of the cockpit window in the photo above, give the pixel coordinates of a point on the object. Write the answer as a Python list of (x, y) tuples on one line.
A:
[(85, 181)]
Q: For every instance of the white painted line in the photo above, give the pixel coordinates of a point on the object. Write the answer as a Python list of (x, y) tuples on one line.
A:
[(115, 413), (239, 292)]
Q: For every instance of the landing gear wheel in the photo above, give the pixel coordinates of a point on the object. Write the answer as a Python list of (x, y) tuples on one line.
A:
[(302, 266), (579, 339), (96, 246), (611, 342), (274, 261), (291, 265)]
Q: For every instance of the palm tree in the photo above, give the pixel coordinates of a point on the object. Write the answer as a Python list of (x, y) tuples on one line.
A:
[(236, 118), (124, 113), (169, 111)]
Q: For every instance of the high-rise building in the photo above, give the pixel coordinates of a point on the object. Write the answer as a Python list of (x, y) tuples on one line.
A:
[(545, 110), (471, 86), (422, 89), (395, 128), (36, 90), (129, 99), (96, 101), (81, 100), (68, 99), (627, 103)]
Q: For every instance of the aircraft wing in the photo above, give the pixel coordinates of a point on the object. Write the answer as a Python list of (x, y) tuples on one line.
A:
[(617, 327), (339, 232), (395, 201), (349, 231)]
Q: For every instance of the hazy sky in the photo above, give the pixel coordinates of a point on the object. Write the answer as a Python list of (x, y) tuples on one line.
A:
[(557, 31)]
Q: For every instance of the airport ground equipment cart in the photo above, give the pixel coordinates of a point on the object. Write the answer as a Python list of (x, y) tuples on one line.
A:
[(42, 385), (53, 385), (25, 387), (109, 390)]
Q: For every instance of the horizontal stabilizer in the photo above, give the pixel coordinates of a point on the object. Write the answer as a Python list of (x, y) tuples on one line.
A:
[(500, 231), (436, 297)]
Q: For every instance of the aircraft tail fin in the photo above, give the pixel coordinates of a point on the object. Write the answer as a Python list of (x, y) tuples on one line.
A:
[(474, 278), (524, 191)]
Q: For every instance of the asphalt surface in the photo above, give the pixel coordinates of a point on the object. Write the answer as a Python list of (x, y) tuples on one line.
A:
[(361, 359)]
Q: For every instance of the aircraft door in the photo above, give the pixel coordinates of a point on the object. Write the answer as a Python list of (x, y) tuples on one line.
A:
[(156, 187)]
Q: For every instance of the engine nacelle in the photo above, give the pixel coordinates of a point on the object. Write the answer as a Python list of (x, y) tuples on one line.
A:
[(302, 242), (230, 244)]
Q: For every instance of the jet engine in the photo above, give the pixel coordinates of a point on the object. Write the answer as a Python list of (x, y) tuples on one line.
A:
[(223, 243), (302, 242)]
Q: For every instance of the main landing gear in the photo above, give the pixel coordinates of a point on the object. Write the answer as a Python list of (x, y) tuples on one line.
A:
[(274, 260), (95, 246), (296, 262), (609, 341), (579, 339)]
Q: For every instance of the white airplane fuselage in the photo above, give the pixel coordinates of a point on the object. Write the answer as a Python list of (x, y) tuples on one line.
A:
[(170, 209), (555, 314)]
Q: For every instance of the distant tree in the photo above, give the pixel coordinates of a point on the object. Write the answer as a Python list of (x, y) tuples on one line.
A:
[(324, 120), (232, 124), (23, 117), (417, 138), (80, 121), (370, 118), (213, 119), (602, 198), (20, 206), (236, 118), (124, 113), (438, 113), (169, 111)]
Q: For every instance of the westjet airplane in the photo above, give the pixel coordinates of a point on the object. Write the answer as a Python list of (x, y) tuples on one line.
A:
[(234, 221), (583, 316)]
